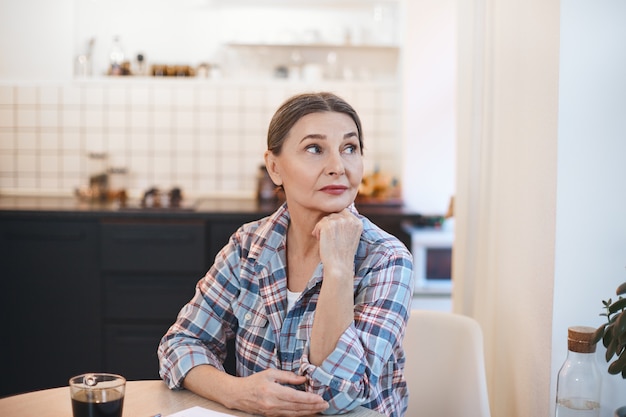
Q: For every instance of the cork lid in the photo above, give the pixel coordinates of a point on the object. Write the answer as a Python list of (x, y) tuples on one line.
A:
[(579, 339)]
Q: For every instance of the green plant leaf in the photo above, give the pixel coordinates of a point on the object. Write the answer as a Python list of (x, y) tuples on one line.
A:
[(608, 336), (619, 328), (618, 365), (598, 334), (618, 305), (611, 349)]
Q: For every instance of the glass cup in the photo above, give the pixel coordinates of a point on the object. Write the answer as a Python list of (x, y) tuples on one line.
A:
[(97, 395)]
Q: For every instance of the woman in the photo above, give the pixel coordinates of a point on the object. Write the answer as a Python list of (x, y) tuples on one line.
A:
[(315, 295)]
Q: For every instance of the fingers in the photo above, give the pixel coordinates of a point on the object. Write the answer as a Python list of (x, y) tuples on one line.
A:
[(344, 221), (268, 395), (285, 377), (338, 235)]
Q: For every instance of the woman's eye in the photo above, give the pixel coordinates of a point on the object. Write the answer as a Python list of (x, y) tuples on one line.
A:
[(350, 149), (313, 149)]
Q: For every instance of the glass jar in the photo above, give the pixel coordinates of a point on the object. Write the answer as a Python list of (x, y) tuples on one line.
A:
[(117, 184), (98, 177), (579, 382)]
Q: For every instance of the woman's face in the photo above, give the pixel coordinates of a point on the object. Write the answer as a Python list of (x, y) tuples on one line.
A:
[(320, 165)]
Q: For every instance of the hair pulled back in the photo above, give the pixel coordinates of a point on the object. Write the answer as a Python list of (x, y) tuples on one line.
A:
[(300, 105)]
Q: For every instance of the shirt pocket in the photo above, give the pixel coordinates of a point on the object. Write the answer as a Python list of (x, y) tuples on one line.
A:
[(255, 351), (250, 312)]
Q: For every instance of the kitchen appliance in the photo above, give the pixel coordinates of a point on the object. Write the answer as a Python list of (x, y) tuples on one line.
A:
[(432, 259)]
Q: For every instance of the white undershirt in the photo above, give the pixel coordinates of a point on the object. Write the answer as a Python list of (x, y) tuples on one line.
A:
[(291, 298)]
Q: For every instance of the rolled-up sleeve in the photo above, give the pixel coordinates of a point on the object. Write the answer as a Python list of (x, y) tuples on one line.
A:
[(367, 362), (203, 325)]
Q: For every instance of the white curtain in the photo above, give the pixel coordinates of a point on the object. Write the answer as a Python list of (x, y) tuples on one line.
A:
[(506, 192)]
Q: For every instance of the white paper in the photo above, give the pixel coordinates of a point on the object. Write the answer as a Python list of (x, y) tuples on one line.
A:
[(199, 412)]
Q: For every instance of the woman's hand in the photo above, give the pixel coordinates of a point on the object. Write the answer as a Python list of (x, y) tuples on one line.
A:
[(338, 235), (265, 393)]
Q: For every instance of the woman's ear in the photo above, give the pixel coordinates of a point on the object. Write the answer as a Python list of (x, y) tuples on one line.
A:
[(272, 168)]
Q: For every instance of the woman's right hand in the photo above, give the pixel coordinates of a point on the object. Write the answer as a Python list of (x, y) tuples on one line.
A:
[(266, 393)]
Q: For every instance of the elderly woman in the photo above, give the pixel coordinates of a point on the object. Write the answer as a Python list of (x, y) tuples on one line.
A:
[(315, 295)]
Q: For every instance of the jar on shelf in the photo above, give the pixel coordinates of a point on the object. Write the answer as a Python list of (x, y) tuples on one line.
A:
[(98, 177), (118, 184)]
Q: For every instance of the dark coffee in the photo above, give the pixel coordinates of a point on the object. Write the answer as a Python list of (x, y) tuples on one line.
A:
[(97, 403)]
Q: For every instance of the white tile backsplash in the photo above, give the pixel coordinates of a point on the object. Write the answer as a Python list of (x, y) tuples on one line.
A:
[(71, 94), (27, 95), (27, 116), (205, 136), (6, 95), (7, 163), (70, 117), (49, 95), (49, 141), (49, 116)]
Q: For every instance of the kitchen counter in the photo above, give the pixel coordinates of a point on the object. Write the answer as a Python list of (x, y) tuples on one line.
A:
[(221, 212), (204, 208), (200, 208)]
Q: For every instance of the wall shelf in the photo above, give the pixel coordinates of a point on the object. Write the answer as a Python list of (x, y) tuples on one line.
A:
[(324, 46)]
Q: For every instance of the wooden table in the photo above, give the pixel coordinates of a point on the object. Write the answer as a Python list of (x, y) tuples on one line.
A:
[(142, 399)]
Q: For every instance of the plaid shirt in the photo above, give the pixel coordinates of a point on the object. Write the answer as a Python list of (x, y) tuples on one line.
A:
[(244, 295)]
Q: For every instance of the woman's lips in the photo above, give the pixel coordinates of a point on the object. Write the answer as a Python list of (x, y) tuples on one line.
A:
[(334, 189)]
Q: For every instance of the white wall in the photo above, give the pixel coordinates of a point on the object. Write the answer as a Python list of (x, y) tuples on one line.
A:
[(429, 106), (36, 39), (590, 257)]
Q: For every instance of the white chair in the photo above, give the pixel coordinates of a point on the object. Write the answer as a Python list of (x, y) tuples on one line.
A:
[(445, 366)]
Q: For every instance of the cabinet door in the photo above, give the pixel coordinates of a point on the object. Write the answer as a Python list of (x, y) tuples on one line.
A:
[(153, 296), (153, 246), (49, 302), (219, 234), (150, 270), (130, 349)]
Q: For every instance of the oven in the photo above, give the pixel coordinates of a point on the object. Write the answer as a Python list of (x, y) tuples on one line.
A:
[(432, 259)]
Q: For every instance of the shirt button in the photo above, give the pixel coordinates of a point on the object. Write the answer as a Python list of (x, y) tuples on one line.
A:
[(248, 317)]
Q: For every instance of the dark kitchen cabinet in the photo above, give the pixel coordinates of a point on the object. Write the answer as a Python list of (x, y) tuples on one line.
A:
[(149, 271), (219, 234), (49, 302), (89, 288)]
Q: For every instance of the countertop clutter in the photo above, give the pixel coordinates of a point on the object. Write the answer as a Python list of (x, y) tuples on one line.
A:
[(194, 207)]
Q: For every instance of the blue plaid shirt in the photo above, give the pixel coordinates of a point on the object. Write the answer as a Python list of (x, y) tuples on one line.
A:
[(244, 296)]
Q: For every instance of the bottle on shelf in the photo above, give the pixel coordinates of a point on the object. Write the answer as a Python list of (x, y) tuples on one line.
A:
[(579, 381), (141, 67), (116, 57)]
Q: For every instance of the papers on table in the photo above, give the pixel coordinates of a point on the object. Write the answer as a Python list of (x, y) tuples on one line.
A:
[(199, 412)]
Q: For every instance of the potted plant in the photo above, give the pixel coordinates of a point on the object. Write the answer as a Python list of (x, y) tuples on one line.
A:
[(613, 336)]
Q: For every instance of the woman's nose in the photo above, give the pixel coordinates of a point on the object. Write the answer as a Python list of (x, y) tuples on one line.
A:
[(335, 164)]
